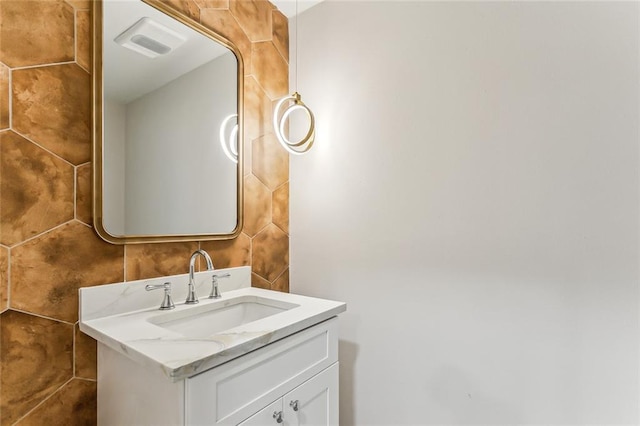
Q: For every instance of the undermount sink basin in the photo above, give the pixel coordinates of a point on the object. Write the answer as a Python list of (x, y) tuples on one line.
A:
[(205, 320)]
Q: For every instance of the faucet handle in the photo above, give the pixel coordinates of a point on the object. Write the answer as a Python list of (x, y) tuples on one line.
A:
[(167, 302), (215, 293)]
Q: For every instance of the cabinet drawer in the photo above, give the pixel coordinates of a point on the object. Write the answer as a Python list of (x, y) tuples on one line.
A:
[(228, 394)]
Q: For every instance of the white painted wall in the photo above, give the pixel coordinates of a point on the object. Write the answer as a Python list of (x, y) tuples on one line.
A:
[(473, 196)]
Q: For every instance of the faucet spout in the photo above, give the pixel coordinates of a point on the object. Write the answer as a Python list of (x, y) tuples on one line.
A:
[(191, 293)]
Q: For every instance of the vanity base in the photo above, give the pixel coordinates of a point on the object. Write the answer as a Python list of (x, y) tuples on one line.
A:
[(299, 371)]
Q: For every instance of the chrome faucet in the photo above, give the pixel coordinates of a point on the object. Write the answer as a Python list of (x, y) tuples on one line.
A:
[(191, 293)]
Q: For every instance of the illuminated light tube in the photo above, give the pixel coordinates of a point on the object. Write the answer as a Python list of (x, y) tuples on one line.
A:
[(280, 119), (229, 146)]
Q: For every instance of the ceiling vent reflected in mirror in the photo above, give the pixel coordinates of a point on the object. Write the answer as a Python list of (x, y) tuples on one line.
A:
[(150, 38)]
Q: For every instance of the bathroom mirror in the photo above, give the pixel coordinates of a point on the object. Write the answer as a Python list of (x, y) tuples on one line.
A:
[(167, 149)]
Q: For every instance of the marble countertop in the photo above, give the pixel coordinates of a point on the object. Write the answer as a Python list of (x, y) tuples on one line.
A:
[(118, 315)]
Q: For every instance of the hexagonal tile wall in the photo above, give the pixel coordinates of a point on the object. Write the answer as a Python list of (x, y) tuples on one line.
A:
[(280, 207), (269, 68), (157, 260), (50, 108), (34, 181), (83, 28), (270, 253), (75, 402), (34, 34), (73, 256), (280, 34), (47, 246), (229, 253), (258, 111), (270, 162), (36, 358), (282, 283), (85, 355), (83, 194), (4, 278), (254, 17), (257, 205), (4, 96)]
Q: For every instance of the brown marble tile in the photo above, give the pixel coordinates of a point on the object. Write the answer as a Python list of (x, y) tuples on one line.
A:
[(157, 260), (246, 155), (257, 281), (281, 33), (4, 278), (83, 39), (223, 23), (187, 7), (257, 206), (257, 110), (36, 355), (36, 32), (282, 282), (270, 253), (280, 207), (83, 194), (270, 69), (212, 4), (229, 253), (269, 161), (52, 106), (86, 359), (80, 4), (254, 17), (37, 189), (71, 256), (75, 404), (4, 96)]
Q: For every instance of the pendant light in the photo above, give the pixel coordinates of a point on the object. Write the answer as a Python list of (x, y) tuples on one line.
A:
[(293, 103)]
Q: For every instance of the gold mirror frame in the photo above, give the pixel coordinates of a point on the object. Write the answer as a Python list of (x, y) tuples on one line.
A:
[(98, 142)]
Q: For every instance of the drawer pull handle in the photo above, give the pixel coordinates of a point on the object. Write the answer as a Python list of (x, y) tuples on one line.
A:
[(294, 405), (278, 416)]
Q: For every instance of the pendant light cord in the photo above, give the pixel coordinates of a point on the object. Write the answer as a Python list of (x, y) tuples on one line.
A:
[(296, 36), (294, 103)]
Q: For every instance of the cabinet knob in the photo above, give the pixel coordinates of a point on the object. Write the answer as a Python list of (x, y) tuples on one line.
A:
[(278, 416), (294, 405)]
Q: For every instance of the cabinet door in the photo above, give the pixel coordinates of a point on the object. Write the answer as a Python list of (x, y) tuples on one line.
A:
[(315, 402), (265, 417)]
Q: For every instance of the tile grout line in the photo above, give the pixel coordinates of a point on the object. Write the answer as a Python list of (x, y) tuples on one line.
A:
[(53, 64), (10, 98), (8, 277), (75, 36), (75, 192), (42, 402), (42, 147), (45, 232), (73, 349), (41, 316)]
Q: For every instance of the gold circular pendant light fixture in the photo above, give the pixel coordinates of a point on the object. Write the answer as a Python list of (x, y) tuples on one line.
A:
[(291, 104), (280, 120)]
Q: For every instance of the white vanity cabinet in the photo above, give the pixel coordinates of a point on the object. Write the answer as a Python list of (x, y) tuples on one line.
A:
[(223, 361), (314, 402), (296, 376), (303, 367)]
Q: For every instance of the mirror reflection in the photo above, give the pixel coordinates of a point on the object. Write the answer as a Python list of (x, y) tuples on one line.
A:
[(170, 127)]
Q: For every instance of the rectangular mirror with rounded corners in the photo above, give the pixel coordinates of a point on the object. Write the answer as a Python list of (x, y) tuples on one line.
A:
[(167, 148)]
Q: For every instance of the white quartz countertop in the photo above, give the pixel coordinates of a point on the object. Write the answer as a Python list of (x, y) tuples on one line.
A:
[(121, 316)]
